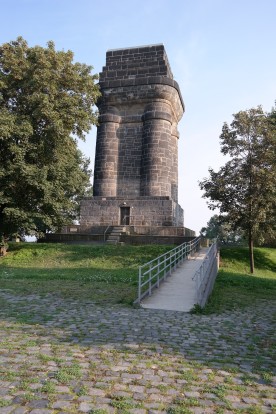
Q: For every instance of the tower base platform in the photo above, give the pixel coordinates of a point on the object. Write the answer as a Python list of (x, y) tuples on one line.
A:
[(134, 235)]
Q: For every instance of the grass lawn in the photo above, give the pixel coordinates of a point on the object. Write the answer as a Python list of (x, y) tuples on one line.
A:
[(235, 287), (104, 274), (109, 274)]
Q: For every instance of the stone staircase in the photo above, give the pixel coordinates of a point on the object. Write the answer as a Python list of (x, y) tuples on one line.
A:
[(114, 236)]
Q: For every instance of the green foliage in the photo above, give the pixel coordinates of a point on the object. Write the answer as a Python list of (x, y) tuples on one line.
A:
[(197, 310), (45, 101), (244, 189), (218, 228)]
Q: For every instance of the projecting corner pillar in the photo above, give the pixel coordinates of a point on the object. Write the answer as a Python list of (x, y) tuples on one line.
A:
[(106, 159), (156, 153), (174, 165)]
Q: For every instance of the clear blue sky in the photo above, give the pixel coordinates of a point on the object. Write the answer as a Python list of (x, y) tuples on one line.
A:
[(222, 54)]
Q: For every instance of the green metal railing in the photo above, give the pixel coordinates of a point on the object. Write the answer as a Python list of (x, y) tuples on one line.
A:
[(152, 273)]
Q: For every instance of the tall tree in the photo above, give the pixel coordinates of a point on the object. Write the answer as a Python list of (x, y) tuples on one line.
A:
[(245, 187), (218, 228), (46, 102)]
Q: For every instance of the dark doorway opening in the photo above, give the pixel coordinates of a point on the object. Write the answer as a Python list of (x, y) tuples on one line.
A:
[(125, 213)]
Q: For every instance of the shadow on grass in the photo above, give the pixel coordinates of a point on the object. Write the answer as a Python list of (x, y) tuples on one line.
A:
[(236, 292), (240, 255), (250, 282), (262, 260)]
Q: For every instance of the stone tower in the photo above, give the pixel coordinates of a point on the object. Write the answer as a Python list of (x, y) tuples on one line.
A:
[(136, 161)]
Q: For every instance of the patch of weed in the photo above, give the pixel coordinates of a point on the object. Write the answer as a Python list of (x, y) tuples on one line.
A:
[(248, 380), (4, 403), (219, 391), (188, 375), (179, 410), (67, 374), (47, 358), (267, 376), (254, 410), (122, 403), (83, 390), (48, 387), (197, 310), (187, 402)]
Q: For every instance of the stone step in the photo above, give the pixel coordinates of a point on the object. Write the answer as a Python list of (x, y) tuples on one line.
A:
[(112, 241), (114, 236)]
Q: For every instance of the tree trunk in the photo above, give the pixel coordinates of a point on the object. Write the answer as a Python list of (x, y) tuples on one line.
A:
[(3, 251), (251, 252)]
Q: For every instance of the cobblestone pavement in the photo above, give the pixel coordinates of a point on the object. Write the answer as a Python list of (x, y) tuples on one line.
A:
[(62, 356)]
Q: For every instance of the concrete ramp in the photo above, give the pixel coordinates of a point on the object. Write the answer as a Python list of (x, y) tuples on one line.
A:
[(178, 291)]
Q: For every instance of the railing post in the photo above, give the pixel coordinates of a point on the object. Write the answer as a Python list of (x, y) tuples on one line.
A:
[(158, 271), (150, 280), (199, 283), (105, 232), (140, 283)]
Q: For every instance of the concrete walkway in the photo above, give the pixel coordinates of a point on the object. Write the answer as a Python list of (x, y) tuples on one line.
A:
[(178, 292)]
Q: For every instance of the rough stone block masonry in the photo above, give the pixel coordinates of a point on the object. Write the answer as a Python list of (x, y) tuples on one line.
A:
[(136, 161)]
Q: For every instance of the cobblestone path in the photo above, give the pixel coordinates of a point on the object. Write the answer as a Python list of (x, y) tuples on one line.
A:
[(62, 356)]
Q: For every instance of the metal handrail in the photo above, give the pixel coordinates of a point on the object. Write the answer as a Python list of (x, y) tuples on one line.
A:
[(106, 231), (152, 273), (205, 276), (124, 220)]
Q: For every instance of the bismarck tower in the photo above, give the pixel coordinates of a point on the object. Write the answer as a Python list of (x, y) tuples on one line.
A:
[(136, 162)]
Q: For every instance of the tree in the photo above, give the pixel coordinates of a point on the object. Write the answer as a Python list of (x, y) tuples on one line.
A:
[(245, 187), (46, 103), (218, 228)]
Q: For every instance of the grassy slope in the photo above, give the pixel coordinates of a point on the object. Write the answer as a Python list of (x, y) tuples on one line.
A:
[(108, 274), (235, 287), (99, 273)]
